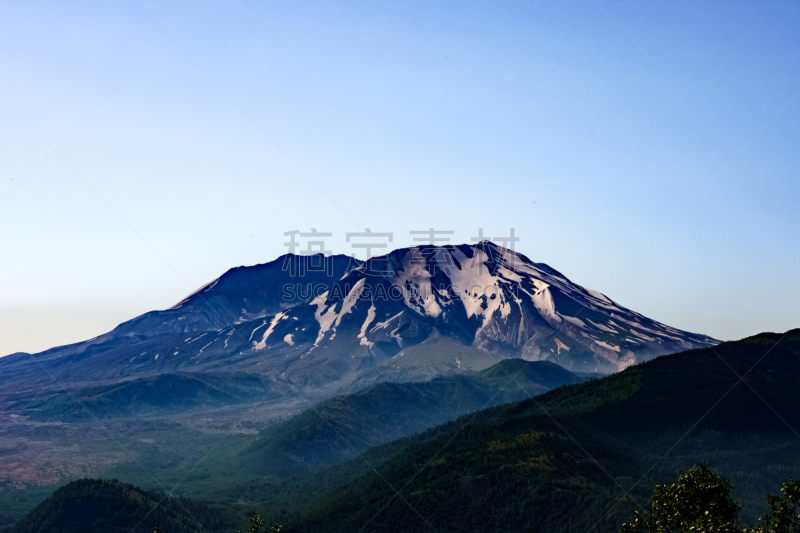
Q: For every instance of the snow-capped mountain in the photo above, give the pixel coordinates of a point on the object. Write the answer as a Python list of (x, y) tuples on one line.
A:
[(409, 315), (483, 296)]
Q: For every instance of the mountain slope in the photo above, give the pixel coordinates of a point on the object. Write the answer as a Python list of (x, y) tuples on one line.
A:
[(566, 460), (242, 294), (158, 396), (340, 428)]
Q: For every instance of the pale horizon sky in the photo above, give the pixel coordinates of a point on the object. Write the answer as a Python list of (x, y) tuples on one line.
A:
[(649, 151)]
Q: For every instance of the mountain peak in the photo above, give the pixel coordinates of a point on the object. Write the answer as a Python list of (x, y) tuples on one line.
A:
[(483, 295), (334, 319)]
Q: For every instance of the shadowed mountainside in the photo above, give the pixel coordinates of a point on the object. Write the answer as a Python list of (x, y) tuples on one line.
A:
[(340, 428), (159, 395), (572, 459)]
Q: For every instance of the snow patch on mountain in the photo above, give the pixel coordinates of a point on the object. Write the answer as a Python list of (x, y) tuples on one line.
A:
[(362, 335), (607, 346), (349, 301), (561, 346), (263, 342), (601, 326)]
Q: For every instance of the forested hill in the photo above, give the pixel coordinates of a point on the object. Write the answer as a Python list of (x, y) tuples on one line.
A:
[(344, 426), (108, 506), (583, 457)]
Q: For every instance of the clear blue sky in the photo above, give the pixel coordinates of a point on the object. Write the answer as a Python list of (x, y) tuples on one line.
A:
[(648, 150)]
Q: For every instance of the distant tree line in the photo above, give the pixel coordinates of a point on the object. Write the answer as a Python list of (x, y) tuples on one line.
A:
[(700, 502)]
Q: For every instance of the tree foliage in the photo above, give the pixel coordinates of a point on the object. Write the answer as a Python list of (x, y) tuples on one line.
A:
[(256, 522), (784, 513), (700, 502)]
